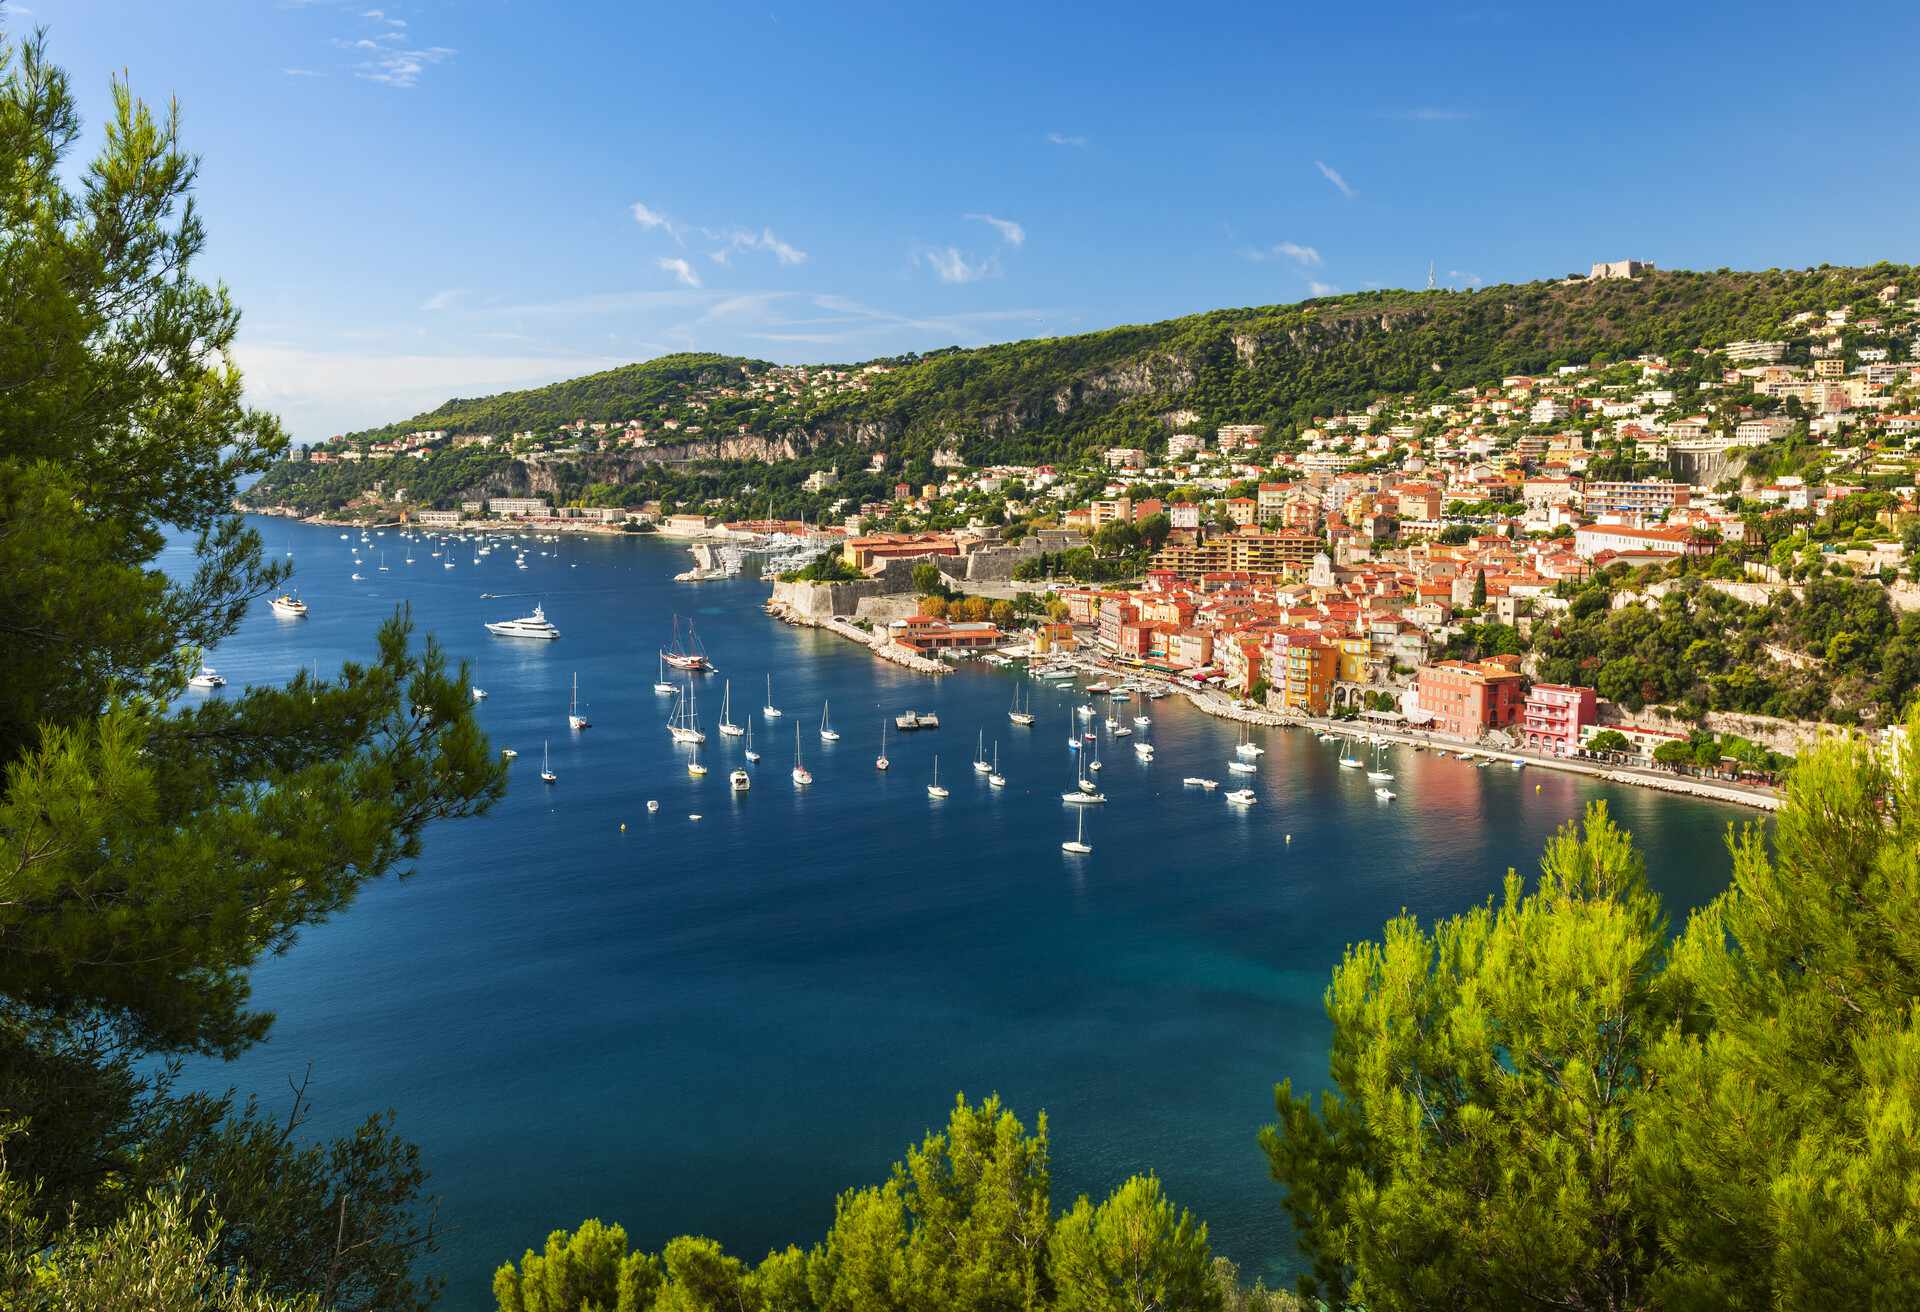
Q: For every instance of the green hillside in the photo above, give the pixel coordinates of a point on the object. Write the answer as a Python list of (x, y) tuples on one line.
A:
[(1054, 398)]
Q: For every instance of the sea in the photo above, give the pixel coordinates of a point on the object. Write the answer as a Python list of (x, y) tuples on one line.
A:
[(580, 1007)]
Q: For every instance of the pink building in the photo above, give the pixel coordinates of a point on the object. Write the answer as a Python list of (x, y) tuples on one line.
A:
[(1553, 717)]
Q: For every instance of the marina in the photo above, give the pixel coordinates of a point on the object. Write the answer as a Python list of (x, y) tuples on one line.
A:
[(679, 965)]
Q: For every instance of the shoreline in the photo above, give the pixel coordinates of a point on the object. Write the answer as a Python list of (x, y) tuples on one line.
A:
[(1222, 707), (881, 647)]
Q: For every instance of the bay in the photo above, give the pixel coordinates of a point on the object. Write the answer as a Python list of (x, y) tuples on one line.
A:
[(714, 1026)]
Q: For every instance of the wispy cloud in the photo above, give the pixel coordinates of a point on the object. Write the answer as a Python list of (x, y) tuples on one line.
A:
[(444, 300), (1465, 279), (1331, 175), (1010, 232), (1433, 114), (1319, 288), (1062, 139), (731, 239), (739, 239), (381, 16), (682, 270), (290, 72), (952, 264), (1305, 256), (402, 68)]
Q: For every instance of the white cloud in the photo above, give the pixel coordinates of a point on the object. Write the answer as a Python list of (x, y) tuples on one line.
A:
[(402, 68), (444, 300), (682, 270), (1062, 139), (290, 72), (380, 16), (1432, 114), (1327, 172), (1305, 256), (319, 393), (1319, 288), (1469, 279), (954, 265), (739, 239), (1010, 232), (649, 218)]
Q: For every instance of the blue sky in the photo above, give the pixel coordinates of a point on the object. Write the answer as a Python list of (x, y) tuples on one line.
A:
[(414, 199)]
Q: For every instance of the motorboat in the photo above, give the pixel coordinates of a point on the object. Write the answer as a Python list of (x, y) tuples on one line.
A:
[(207, 678), (1195, 781), (1241, 797), (1385, 793), (535, 625), (288, 606), (1242, 767), (508, 754), (739, 781)]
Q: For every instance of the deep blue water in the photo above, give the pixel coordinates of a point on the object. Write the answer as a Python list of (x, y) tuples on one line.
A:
[(714, 1027)]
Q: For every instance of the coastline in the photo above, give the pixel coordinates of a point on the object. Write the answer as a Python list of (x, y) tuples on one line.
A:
[(880, 647), (1222, 707)]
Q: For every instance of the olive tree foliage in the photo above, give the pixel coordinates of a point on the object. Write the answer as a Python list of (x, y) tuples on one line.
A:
[(151, 851)]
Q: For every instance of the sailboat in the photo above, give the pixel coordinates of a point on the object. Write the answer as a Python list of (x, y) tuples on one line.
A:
[(1078, 843), (727, 726), (479, 693), (1379, 774), (383, 562), (575, 720), (1094, 764), (801, 778), (1247, 747), (1021, 714), (881, 762), (685, 724), (828, 734), (1084, 792), (663, 685), (751, 754), (771, 711), (690, 656), (980, 765), (996, 779), (934, 789), (546, 767), (694, 767), (1348, 761)]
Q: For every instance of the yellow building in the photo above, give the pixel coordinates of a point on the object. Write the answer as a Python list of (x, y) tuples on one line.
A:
[(1302, 669)]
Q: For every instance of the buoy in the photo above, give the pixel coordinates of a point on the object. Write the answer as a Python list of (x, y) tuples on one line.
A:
[(1289, 838), (1536, 788), (694, 817), (623, 826)]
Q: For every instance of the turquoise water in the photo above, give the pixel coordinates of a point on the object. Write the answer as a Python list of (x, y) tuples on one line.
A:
[(714, 1026)]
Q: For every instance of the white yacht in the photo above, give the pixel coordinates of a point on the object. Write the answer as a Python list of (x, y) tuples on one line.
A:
[(1242, 767), (740, 781), (828, 734), (207, 678), (995, 779), (1241, 797), (288, 606), (575, 720), (751, 754), (1078, 843), (801, 775), (535, 625), (980, 764), (1021, 714), (685, 722), (727, 726), (934, 789), (771, 711), (663, 685), (1379, 774), (1195, 781), (546, 765)]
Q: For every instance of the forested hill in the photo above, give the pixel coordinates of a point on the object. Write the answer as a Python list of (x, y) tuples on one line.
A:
[(1052, 397)]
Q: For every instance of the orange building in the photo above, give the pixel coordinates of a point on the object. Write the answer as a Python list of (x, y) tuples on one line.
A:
[(1467, 699)]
